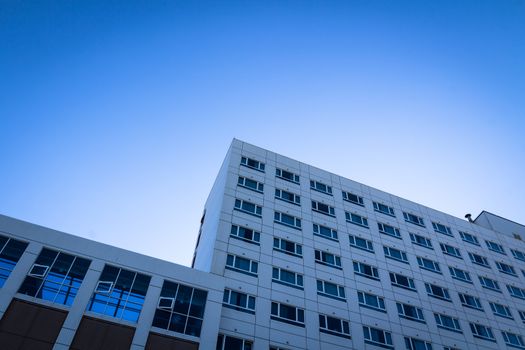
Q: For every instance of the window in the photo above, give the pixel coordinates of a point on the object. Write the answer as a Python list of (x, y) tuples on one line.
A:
[(55, 276), (437, 292), (500, 310), (414, 219), (243, 265), (287, 277), (467, 237), (518, 254), (516, 292), (513, 340), (356, 219), (447, 322), (239, 301), (250, 184), (427, 264), (328, 259), (450, 250), (10, 252), (276, 348), (489, 283), (399, 280), (410, 312), (180, 308), (366, 270), (388, 230), (248, 207), (440, 228), (225, 342), (245, 234), (479, 260), (481, 331), (421, 241), (459, 274), (505, 268), (287, 175), (321, 187), (361, 243), (495, 247), (287, 196), (353, 198), (379, 337), (396, 254), (371, 301), (522, 315), (287, 313), (287, 220), (324, 231), (125, 297), (384, 209), (331, 290), (417, 344), (287, 247), (470, 301), (334, 326), (323, 208), (252, 163)]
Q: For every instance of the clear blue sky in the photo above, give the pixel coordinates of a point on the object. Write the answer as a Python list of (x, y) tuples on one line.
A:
[(115, 115)]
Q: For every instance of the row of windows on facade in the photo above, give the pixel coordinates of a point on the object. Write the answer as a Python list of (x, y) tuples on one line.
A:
[(57, 277)]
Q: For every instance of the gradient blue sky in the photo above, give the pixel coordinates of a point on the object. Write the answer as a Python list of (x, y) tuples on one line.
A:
[(115, 116)]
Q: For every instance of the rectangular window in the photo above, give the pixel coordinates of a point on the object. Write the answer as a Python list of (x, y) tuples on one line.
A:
[(518, 254), (388, 230), (516, 292), (287, 220), (334, 326), (440, 228), (427, 264), (378, 337), (326, 232), (513, 340), (447, 322), (438, 292), (287, 313), (495, 247), (245, 234), (287, 175), (225, 342), (243, 265), (119, 293), (399, 280), (323, 208), (238, 301), (469, 238), (320, 187), (356, 219), (287, 196), (353, 198), (450, 250), (489, 283), (10, 252), (396, 254), (414, 219), (366, 270), (328, 259), (384, 209), (505, 268), (180, 309), (361, 243), (252, 163), (371, 301), (479, 260), (522, 315), (417, 344), (287, 277), (421, 241), (331, 290), (250, 184), (481, 331), (470, 301), (55, 276), (459, 274), (501, 310), (248, 207), (288, 247), (410, 312)]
